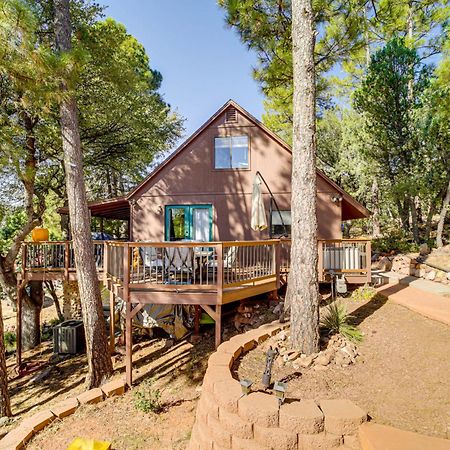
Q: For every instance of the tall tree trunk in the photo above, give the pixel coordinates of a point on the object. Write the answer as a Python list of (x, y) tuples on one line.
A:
[(429, 219), (31, 315), (376, 228), (5, 405), (442, 215), (414, 221), (52, 291), (98, 353), (303, 289)]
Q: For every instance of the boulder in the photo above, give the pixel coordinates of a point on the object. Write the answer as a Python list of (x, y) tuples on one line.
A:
[(431, 275), (424, 249)]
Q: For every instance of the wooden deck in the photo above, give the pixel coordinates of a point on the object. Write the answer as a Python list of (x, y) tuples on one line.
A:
[(208, 275)]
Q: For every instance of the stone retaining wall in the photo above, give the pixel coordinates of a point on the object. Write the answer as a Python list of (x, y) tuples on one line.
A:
[(226, 419), (18, 437)]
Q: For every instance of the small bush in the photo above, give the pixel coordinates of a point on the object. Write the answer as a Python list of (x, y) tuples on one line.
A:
[(147, 399), (10, 340), (363, 293), (336, 321), (395, 241)]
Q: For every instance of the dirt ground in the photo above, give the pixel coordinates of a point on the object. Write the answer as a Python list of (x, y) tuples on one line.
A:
[(177, 372), (401, 376), (175, 369)]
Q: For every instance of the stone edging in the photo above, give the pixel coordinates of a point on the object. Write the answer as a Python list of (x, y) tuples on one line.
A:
[(225, 419), (18, 437)]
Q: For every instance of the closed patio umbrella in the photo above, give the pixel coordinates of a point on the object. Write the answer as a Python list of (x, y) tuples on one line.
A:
[(259, 219)]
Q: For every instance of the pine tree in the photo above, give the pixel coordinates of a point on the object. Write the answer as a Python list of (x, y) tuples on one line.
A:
[(303, 289), (98, 352)]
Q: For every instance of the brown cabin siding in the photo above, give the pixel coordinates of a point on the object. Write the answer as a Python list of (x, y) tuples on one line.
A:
[(190, 178)]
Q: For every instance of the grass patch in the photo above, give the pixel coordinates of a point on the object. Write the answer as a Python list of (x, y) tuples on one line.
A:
[(146, 398)]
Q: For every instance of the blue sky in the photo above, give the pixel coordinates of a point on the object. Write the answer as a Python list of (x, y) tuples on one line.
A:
[(202, 61)]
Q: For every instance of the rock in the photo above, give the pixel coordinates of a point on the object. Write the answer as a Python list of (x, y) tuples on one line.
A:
[(293, 356), (342, 359), (424, 249), (448, 276), (304, 361), (431, 275), (384, 264), (324, 359), (319, 368), (278, 308), (281, 336)]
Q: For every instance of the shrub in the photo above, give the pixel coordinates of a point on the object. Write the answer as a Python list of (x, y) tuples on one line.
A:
[(335, 320), (10, 340), (395, 241), (146, 398), (363, 293)]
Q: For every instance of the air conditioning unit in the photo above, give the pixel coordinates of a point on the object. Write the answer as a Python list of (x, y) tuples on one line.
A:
[(68, 337)]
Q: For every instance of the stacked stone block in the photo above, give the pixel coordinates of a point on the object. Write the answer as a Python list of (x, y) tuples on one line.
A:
[(227, 419)]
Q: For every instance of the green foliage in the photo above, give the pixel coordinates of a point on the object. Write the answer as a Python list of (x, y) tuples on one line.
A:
[(10, 340), (363, 293), (335, 320), (146, 398), (394, 241), (10, 224)]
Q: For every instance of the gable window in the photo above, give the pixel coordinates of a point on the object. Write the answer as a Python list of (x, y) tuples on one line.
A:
[(280, 223), (231, 152)]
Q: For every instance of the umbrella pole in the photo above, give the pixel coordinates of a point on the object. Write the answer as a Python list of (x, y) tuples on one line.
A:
[(274, 201)]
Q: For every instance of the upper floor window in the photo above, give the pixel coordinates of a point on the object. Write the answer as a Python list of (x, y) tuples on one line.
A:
[(231, 152)]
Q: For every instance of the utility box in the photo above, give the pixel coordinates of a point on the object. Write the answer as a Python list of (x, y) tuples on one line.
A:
[(68, 337)]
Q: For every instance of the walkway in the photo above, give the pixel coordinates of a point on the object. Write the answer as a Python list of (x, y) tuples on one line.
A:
[(425, 297)]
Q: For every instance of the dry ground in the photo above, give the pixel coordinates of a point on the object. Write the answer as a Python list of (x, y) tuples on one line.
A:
[(401, 378)]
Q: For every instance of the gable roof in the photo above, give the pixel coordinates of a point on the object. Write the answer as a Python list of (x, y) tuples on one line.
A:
[(352, 210)]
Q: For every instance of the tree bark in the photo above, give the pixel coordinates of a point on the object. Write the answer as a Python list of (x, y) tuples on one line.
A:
[(52, 291), (98, 352), (442, 215), (31, 315), (414, 221), (303, 289), (376, 228), (5, 405)]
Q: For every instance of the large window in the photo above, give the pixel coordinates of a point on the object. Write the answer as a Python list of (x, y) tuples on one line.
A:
[(280, 223), (231, 152)]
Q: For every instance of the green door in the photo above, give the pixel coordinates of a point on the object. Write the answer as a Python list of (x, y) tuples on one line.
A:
[(188, 222)]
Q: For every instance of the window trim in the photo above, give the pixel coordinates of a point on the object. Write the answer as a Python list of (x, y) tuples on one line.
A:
[(232, 169)]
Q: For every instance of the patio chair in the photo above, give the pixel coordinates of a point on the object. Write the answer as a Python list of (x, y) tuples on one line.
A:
[(179, 265), (229, 259)]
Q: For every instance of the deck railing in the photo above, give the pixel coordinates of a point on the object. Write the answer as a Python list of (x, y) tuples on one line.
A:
[(211, 265), (54, 256)]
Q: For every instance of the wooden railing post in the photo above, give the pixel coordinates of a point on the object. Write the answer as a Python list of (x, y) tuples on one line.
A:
[(66, 259), (105, 263), (220, 267), (277, 262), (369, 261)]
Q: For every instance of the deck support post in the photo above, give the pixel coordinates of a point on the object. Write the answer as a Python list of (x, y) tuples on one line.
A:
[(218, 320), (128, 317), (197, 320), (19, 327), (129, 345), (112, 321)]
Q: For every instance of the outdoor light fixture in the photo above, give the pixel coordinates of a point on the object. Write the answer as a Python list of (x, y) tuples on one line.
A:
[(335, 198), (270, 358), (280, 390), (245, 385)]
